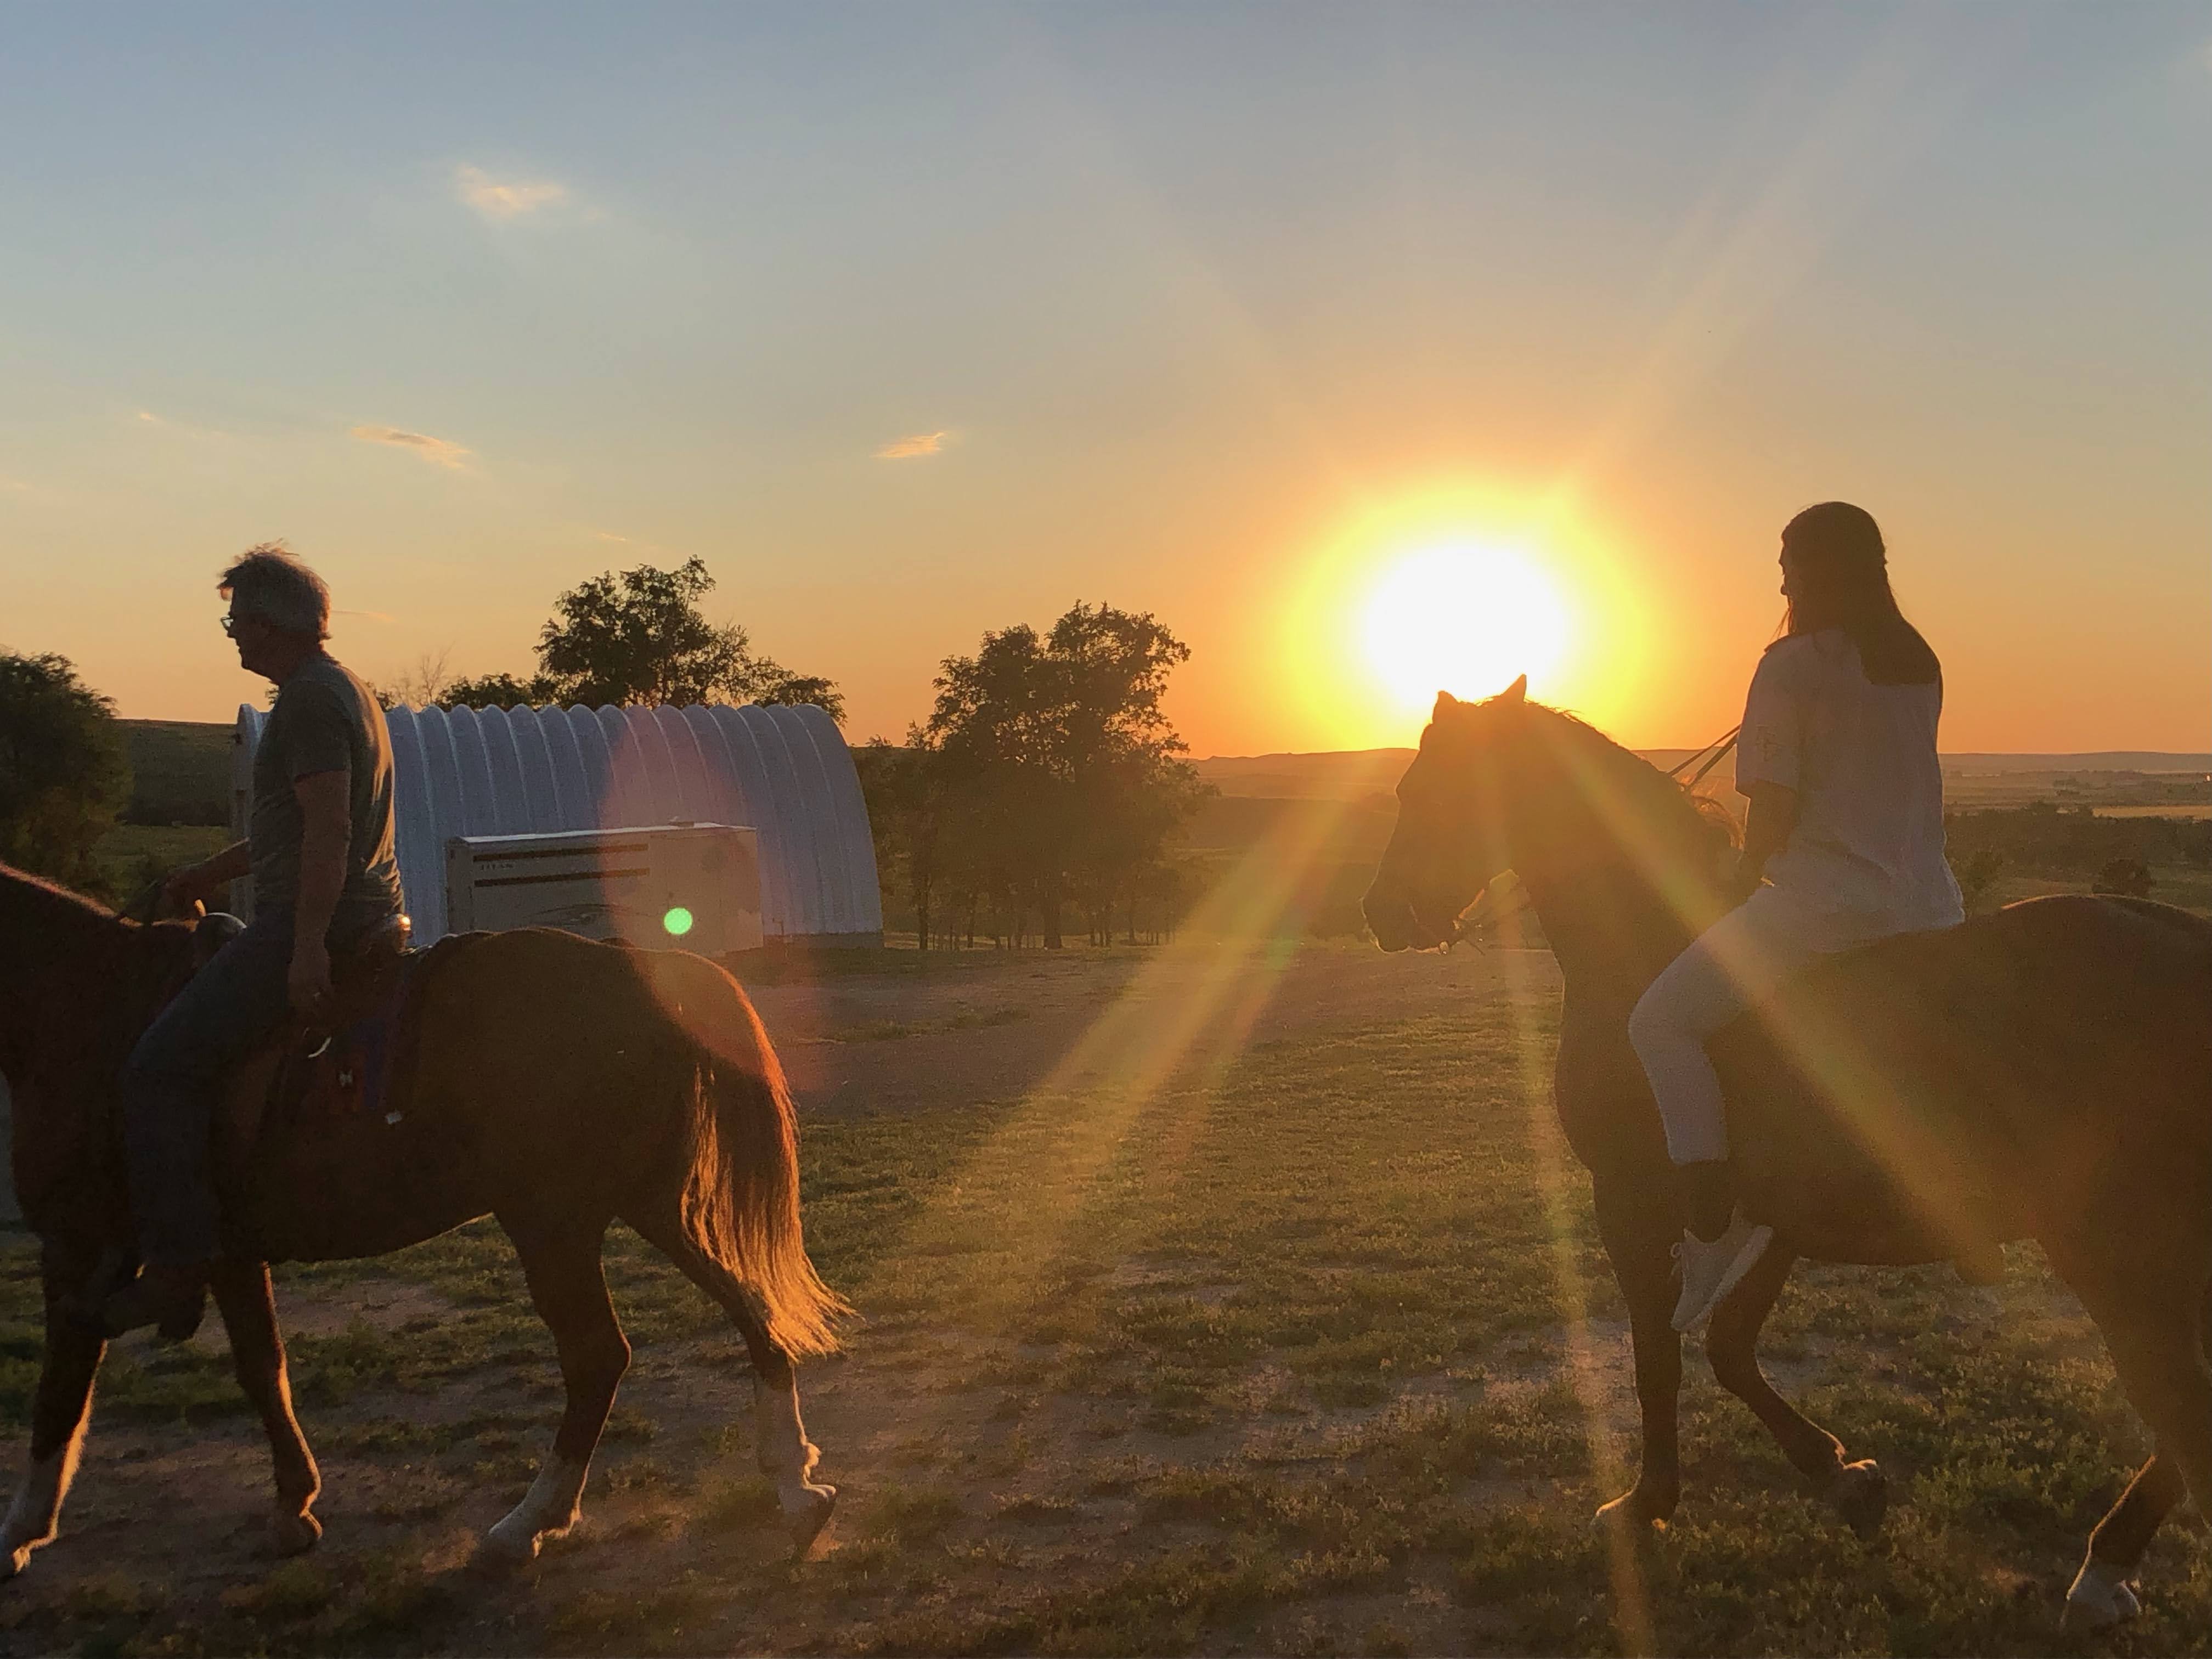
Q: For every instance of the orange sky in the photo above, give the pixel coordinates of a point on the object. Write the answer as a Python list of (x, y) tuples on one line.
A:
[(1215, 313)]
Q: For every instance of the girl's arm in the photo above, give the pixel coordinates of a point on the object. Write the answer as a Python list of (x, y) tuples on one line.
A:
[(1767, 831)]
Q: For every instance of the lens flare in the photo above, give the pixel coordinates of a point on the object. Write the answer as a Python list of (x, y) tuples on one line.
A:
[(678, 921)]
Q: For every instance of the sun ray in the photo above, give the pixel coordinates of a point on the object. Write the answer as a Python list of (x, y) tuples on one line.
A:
[(1164, 1044), (1585, 1364)]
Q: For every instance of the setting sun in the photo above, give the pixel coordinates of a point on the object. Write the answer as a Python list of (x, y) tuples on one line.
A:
[(1464, 618), (1461, 587)]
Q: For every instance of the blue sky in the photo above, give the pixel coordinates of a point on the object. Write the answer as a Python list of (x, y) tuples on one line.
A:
[(469, 303)]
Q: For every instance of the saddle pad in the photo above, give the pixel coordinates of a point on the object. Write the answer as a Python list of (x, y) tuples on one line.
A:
[(352, 1070)]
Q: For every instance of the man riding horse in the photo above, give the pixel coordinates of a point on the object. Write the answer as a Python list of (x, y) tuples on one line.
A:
[(319, 849)]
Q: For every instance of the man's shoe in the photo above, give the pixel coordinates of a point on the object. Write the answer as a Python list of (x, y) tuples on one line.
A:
[(1713, 1267), (171, 1299)]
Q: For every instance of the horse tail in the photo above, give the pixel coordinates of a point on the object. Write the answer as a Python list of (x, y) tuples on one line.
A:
[(740, 1204)]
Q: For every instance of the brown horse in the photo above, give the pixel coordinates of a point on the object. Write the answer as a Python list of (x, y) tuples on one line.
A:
[(2044, 1071), (558, 1084)]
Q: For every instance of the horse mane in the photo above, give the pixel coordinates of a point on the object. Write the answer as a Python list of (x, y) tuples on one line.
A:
[(39, 898), (1701, 826)]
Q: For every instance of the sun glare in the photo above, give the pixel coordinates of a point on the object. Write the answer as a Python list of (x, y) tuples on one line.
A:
[(1463, 617), (1459, 588)]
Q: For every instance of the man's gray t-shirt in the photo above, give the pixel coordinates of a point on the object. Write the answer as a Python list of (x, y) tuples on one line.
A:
[(325, 721)]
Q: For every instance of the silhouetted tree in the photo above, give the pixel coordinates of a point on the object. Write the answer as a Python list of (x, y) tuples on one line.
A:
[(1976, 872), (904, 790), (635, 636), (64, 773), (2124, 877), (502, 691), (1063, 770)]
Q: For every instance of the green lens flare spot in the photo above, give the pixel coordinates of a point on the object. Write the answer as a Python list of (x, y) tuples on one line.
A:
[(677, 920)]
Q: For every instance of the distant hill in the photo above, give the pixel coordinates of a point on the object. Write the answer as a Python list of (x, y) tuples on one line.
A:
[(1356, 774), (179, 772)]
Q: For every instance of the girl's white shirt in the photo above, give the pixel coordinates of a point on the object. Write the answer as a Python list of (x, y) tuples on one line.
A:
[(1868, 849)]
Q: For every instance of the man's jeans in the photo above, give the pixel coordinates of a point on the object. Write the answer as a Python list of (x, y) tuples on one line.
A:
[(174, 1076)]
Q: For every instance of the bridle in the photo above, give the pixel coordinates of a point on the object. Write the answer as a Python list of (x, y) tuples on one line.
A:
[(1473, 922)]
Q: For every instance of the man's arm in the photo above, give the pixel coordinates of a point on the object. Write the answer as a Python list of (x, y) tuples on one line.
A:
[(1767, 831), (326, 835), (199, 881)]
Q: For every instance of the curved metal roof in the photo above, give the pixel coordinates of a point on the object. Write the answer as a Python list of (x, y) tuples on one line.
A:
[(783, 771)]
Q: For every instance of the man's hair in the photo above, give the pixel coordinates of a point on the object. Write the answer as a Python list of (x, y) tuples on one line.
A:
[(269, 583)]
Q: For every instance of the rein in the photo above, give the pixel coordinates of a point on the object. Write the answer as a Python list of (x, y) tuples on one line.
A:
[(1472, 923), (1719, 747)]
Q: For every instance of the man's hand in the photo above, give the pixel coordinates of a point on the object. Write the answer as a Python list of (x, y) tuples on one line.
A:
[(309, 980), (1745, 880), (182, 889), (202, 881)]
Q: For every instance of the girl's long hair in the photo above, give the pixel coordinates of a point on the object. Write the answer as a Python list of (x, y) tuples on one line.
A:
[(1840, 579)]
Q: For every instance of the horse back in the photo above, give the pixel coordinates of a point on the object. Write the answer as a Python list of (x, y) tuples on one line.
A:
[(1936, 1091)]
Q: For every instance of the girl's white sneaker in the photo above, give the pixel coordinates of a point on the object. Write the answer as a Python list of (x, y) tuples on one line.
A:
[(1711, 1269)]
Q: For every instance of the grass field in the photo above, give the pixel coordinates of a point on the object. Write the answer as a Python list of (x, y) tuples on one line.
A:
[(179, 771), (1261, 1312), (131, 855)]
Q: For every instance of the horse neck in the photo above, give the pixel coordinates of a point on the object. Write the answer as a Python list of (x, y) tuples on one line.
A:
[(1627, 874), (43, 931)]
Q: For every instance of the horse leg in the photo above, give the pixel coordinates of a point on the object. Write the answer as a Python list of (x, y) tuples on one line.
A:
[(2100, 1593), (783, 1452), (560, 1260), (248, 1306), (59, 1410), (2158, 1326), (1638, 1229), (1858, 1491)]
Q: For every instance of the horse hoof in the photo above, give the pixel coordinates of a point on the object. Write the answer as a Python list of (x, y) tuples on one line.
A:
[(15, 1560), (507, 1548), (294, 1533), (805, 1526), (1860, 1492), (2100, 1598)]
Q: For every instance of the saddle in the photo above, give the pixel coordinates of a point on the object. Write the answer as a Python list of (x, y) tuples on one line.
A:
[(336, 1067)]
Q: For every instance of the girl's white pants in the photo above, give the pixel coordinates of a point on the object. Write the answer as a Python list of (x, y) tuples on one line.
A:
[(1736, 962)]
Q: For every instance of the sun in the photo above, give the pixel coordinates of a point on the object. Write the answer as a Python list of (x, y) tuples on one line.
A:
[(1459, 586), (1464, 616)]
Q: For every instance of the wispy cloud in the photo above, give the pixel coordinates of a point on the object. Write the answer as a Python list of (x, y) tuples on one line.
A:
[(907, 449), (183, 428), (15, 487), (498, 199), (436, 451)]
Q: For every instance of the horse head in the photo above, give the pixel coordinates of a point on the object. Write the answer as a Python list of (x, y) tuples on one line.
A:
[(1451, 839)]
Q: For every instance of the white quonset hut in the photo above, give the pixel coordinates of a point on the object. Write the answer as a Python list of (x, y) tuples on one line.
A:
[(783, 771)]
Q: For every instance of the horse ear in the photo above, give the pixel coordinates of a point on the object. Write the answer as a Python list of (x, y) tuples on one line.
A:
[(1445, 703), (1517, 692)]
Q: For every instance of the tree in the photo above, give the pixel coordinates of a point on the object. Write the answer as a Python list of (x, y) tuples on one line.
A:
[(1976, 872), (1066, 769), (904, 790), (2124, 877), (64, 773), (635, 636), (639, 637), (500, 691)]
